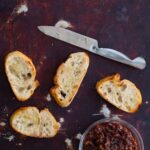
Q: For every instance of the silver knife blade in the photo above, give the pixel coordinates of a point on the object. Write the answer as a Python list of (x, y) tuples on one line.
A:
[(91, 45), (70, 37)]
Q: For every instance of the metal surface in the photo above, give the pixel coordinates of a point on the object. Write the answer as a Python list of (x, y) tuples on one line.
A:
[(121, 25), (91, 45), (137, 62), (69, 37)]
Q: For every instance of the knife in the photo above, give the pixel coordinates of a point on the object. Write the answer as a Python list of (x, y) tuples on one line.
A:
[(91, 45)]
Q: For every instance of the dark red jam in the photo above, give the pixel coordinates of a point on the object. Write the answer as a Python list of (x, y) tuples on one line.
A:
[(110, 136)]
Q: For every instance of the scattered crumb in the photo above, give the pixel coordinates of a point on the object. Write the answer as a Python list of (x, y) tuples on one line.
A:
[(69, 144), (41, 62), (44, 57), (10, 138), (5, 109), (69, 110), (116, 116), (68, 141), (105, 111), (48, 97), (96, 114), (22, 9), (63, 24), (78, 136), (4, 112), (19, 144), (61, 120), (52, 44), (2, 124), (146, 102)]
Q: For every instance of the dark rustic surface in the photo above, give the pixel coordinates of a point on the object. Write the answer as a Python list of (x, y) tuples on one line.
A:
[(120, 24)]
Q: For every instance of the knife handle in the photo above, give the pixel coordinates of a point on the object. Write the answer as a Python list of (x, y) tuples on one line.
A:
[(138, 62)]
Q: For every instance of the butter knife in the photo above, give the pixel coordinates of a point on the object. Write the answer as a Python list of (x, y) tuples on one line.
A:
[(91, 45)]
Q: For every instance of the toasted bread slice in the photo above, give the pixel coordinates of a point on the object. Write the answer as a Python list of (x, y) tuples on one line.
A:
[(30, 122), (69, 77), (49, 126), (26, 121), (21, 75), (121, 93)]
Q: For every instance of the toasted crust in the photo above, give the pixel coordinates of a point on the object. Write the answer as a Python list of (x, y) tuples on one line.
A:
[(34, 83), (17, 113), (46, 115), (62, 71), (25, 117), (116, 85)]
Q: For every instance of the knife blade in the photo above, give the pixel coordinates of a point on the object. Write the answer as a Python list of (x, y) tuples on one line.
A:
[(69, 37), (91, 45)]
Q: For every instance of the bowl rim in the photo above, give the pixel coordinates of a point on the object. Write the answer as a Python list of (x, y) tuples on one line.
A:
[(114, 119)]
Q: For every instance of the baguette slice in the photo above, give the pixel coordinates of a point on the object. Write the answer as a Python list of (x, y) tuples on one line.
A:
[(21, 75), (30, 122), (69, 77), (121, 93), (49, 126)]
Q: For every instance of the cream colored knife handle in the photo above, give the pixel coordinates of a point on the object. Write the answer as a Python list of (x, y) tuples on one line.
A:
[(138, 62)]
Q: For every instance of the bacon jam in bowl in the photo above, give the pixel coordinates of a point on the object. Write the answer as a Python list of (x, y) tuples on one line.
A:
[(111, 134)]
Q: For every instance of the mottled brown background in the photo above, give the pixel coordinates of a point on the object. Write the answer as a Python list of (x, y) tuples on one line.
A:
[(120, 24)]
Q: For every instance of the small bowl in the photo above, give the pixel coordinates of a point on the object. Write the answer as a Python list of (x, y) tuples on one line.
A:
[(117, 120)]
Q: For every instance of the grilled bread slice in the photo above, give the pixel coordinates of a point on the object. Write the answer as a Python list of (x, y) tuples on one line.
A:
[(30, 122), (21, 75), (121, 93), (69, 77)]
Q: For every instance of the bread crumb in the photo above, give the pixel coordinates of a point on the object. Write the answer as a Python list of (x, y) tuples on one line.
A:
[(63, 24), (146, 102), (48, 97), (78, 136), (2, 124), (61, 120), (105, 111), (69, 110), (41, 62), (44, 57), (19, 144), (10, 138), (69, 144), (5, 111), (116, 116), (22, 9)]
